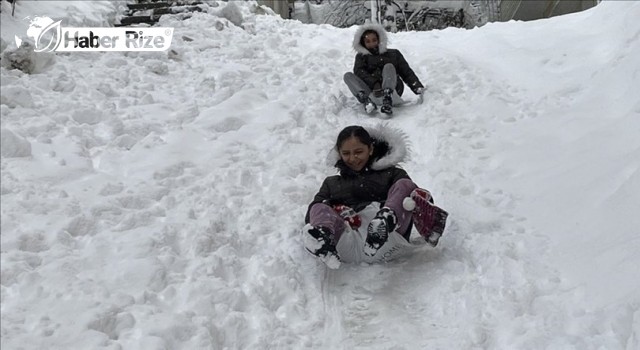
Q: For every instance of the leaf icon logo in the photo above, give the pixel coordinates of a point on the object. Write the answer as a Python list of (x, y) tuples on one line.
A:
[(54, 31)]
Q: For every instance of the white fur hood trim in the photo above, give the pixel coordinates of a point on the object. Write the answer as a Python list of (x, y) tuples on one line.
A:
[(395, 138), (382, 37)]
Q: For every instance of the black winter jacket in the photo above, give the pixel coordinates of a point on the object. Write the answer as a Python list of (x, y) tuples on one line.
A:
[(371, 184), (368, 66), (369, 69)]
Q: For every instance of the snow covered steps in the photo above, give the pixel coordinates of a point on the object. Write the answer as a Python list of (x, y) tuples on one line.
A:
[(149, 12)]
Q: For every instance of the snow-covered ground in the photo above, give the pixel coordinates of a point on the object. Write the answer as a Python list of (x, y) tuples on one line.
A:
[(154, 200)]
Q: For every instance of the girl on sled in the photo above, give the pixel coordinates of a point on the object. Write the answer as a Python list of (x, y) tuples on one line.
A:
[(369, 181)]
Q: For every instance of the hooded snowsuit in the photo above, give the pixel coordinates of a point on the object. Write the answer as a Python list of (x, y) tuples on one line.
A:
[(380, 181), (369, 63)]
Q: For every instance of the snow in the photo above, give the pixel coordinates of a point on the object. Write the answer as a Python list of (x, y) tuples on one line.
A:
[(154, 200)]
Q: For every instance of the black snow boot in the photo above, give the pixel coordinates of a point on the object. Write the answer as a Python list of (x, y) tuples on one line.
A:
[(379, 229), (363, 98), (387, 102), (318, 241)]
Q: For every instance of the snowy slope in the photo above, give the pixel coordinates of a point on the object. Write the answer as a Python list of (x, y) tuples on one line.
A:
[(154, 200)]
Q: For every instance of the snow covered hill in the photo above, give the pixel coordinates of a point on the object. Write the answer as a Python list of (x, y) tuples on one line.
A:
[(154, 200)]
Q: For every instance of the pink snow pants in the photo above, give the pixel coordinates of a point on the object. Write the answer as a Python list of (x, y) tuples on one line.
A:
[(323, 215)]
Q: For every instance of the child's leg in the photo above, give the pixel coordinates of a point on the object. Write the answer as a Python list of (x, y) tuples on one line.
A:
[(355, 84), (397, 193), (389, 77), (324, 216)]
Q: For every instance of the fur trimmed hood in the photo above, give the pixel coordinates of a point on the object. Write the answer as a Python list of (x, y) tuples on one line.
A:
[(390, 148), (382, 38)]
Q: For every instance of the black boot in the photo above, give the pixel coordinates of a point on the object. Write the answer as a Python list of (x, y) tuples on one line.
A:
[(379, 229), (387, 102), (363, 98), (318, 241)]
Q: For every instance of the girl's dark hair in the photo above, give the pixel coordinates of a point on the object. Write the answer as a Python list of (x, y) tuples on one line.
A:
[(380, 147), (368, 31), (356, 131)]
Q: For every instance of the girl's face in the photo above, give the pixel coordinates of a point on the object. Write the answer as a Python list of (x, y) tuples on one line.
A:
[(371, 41), (354, 153)]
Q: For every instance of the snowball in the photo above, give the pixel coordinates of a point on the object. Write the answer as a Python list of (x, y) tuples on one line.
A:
[(408, 204), (14, 146)]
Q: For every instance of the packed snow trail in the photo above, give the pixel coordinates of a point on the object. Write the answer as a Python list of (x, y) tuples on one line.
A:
[(165, 211)]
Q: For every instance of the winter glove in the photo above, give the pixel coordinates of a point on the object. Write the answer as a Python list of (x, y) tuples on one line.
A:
[(349, 215)]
